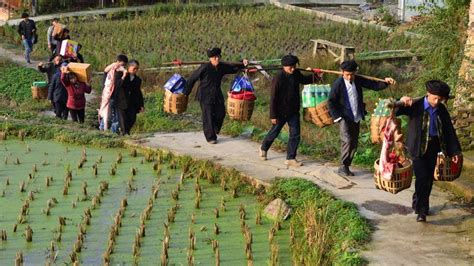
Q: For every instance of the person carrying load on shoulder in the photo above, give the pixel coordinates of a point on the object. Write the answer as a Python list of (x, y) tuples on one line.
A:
[(209, 92), (347, 107), (113, 76), (52, 42), (285, 104), (430, 131), (76, 99)]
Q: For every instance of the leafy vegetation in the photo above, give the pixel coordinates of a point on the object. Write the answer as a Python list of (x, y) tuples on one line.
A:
[(444, 36), (16, 81)]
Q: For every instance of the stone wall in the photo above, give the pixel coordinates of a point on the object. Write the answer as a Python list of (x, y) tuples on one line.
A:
[(464, 101)]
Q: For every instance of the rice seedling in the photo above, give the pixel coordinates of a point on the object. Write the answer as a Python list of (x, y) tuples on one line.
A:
[(217, 255), (3, 234), (22, 186), (21, 135), (119, 158), (19, 258), (17, 162), (216, 229), (28, 234), (5, 161), (133, 171), (274, 254), (15, 226), (3, 135)]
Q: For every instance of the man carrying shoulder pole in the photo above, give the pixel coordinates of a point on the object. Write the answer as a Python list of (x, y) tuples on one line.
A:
[(209, 93), (430, 131), (346, 106), (285, 104)]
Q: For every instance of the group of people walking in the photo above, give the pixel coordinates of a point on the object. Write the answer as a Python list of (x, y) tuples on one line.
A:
[(121, 100), (430, 129)]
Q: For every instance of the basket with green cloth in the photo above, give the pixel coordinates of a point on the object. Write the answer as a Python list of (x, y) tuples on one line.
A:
[(39, 90), (314, 99)]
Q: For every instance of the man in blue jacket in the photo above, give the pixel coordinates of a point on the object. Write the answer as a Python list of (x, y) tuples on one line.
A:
[(346, 106)]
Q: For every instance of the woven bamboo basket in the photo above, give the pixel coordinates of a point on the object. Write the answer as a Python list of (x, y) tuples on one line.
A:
[(445, 172), (377, 123), (320, 115), (175, 103), (240, 109), (401, 178), (39, 93)]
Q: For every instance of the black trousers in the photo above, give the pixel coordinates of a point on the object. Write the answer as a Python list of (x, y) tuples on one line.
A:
[(130, 119), (212, 119), (61, 110), (294, 140), (53, 52), (424, 173), (77, 115), (349, 133)]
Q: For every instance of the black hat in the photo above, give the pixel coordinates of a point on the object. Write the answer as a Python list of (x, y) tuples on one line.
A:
[(349, 65), (439, 88), (289, 60), (214, 52)]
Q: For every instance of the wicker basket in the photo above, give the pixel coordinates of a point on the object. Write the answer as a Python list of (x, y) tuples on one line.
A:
[(377, 123), (240, 109), (39, 93), (320, 115), (444, 170), (401, 178), (175, 103)]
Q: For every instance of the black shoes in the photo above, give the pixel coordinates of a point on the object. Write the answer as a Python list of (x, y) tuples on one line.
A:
[(344, 170), (421, 218)]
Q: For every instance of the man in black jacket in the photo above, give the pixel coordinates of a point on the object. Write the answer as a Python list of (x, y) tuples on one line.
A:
[(430, 131), (209, 92), (51, 68), (285, 108), (346, 106), (131, 89), (27, 31), (57, 94)]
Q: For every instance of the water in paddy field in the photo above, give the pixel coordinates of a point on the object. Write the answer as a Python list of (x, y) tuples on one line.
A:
[(52, 159)]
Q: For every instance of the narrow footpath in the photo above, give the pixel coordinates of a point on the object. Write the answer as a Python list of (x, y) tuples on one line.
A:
[(446, 239)]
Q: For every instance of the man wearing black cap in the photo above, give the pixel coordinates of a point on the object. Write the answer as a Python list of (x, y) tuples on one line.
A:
[(430, 131), (209, 92), (346, 106), (285, 108), (27, 31)]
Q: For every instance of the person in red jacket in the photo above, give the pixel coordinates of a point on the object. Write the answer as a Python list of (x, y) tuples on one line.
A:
[(76, 90)]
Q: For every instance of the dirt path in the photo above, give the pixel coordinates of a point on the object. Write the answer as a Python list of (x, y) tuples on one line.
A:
[(446, 239)]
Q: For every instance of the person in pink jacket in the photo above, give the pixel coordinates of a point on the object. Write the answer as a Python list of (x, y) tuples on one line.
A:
[(76, 90)]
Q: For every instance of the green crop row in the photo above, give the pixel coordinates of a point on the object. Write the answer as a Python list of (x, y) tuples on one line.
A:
[(168, 32)]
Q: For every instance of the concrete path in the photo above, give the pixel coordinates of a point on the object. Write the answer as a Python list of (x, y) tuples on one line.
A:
[(446, 239)]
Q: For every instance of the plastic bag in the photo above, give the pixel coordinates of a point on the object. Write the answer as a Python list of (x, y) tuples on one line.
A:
[(176, 84), (241, 83)]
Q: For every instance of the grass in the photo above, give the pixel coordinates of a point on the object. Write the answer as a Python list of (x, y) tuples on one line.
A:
[(16, 81), (327, 230)]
